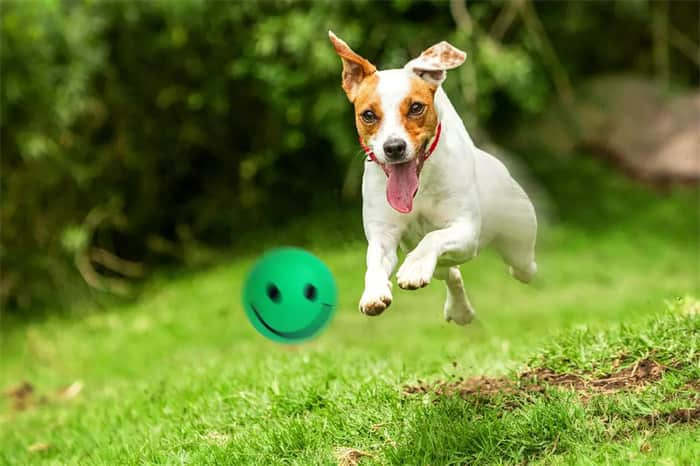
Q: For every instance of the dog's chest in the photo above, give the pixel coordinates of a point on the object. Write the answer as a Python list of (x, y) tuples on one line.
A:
[(433, 210), (419, 226)]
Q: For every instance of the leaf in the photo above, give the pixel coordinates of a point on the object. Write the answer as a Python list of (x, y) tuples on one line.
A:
[(38, 447), (350, 456), (71, 391)]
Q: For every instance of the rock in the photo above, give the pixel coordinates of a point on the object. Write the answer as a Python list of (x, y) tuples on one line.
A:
[(631, 121)]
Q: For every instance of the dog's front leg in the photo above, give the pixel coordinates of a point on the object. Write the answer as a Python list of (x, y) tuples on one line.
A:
[(381, 260), (458, 243)]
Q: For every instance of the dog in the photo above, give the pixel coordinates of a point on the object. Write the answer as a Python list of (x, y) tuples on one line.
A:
[(426, 187)]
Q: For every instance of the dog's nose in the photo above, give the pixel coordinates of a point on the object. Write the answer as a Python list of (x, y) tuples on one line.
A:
[(394, 149)]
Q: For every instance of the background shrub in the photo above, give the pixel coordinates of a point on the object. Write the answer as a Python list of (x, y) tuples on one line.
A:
[(133, 131)]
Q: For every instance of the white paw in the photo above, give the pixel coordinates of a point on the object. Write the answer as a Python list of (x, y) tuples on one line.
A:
[(415, 272), (459, 313), (375, 299), (458, 310)]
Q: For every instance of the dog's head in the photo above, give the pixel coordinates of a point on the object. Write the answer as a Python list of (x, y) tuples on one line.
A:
[(395, 112)]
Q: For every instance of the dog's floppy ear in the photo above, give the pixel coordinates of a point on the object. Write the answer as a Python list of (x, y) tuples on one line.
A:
[(355, 68), (433, 63)]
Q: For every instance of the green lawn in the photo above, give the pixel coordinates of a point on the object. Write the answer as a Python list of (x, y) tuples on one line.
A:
[(181, 377)]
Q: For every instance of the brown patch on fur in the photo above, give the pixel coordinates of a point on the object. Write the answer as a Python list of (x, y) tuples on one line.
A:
[(355, 68), (444, 56), (368, 99), (420, 128)]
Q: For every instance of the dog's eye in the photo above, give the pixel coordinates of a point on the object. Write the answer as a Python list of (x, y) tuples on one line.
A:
[(416, 108), (369, 117)]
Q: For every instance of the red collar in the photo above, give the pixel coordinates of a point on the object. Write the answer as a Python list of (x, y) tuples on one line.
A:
[(430, 151)]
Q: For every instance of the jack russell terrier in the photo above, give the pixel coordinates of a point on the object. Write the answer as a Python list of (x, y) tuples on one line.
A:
[(426, 187)]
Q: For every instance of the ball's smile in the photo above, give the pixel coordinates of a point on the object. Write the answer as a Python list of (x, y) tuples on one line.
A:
[(302, 333)]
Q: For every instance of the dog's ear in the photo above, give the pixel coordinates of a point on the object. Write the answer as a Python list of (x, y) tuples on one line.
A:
[(355, 68), (433, 63)]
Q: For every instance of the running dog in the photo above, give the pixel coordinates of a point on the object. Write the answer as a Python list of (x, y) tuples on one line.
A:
[(426, 187)]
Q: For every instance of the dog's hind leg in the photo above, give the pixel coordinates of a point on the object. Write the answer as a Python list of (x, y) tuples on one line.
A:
[(517, 237), (457, 309), (525, 274), (519, 254)]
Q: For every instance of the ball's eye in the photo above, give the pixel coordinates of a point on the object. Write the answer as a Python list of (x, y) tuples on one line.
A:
[(416, 108), (310, 292), (274, 293), (369, 117)]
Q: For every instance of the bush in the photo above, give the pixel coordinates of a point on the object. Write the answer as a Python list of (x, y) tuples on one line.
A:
[(135, 131)]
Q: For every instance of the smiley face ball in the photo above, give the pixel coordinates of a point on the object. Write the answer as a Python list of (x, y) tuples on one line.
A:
[(289, 295)]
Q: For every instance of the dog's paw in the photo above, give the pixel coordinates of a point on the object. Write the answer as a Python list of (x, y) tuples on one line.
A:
[(376, 299), (416, 272), (459, 313), (526, 274)]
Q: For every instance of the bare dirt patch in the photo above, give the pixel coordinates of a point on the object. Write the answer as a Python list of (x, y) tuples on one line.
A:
[(24, 395), (475, 386), (635, 376), (677, 416), (20, 395)]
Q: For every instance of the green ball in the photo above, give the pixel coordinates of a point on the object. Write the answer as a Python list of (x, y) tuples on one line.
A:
[(290, 295)]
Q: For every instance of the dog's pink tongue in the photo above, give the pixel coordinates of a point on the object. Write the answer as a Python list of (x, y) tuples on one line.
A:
[(402, 185)]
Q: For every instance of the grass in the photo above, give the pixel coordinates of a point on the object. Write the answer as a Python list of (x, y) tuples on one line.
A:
[(179, 376)]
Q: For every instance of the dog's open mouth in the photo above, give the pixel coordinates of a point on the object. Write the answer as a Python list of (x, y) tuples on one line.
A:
[(402, 183)]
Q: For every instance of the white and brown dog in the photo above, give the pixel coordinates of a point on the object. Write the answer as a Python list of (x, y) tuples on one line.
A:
[(426, 187)]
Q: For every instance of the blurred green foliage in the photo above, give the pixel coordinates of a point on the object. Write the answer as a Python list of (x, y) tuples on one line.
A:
[(141, 131)]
